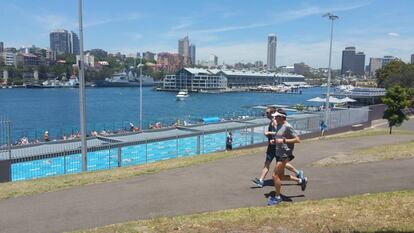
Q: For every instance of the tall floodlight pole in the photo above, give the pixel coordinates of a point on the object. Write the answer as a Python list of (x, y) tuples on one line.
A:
[(82, 92), (140, 93), (332, 17)]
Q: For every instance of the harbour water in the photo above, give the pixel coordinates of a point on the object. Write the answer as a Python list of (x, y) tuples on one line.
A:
[(32, 111)]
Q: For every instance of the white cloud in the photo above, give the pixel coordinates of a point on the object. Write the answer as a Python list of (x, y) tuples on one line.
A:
[(393, 34), (278, 18), (51, 22)]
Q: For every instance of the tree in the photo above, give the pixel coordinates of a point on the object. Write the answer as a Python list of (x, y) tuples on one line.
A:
[(300, 107), (396, 99), (383, 75)]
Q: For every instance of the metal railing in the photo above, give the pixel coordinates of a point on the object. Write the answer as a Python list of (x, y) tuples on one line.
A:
[(134, 148), (5, 138), (115, 127)]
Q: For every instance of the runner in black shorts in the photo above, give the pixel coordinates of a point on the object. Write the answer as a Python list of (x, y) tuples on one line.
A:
[(284, 138), (271, 152)]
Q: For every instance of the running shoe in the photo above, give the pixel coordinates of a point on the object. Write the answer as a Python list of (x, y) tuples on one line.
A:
[(304, 183), (299, 174), (258, 183), (274, 201)]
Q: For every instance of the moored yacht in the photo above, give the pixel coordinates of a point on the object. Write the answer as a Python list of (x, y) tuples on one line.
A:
[(182, 95)]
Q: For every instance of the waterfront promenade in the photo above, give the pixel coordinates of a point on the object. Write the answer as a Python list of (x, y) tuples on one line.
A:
[(218, 185)]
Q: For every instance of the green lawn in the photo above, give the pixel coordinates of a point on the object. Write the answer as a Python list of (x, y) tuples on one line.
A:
[(382, 212)]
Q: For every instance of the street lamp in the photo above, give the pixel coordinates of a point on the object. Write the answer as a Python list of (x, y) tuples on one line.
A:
[(140, 65), (331, 17), (82, 102)]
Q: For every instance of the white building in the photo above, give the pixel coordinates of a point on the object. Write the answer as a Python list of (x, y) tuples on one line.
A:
[(216, 79), (287, 69), (88, 59), (194, 79), (9, 58), (374, 65)]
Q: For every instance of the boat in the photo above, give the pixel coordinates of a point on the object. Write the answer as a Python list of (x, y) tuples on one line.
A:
[(182, 95), (71, 83), (53, 83), (124, 80)]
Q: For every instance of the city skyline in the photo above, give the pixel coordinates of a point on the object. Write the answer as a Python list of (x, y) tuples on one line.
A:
[(237, 33)]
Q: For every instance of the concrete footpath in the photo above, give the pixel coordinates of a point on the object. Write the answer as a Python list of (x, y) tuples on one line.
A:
[(218, 185)]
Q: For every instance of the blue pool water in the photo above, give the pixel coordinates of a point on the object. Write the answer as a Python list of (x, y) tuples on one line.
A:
[(133, 155)]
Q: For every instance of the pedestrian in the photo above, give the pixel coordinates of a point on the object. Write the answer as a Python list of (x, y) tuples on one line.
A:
[(271, 152), (285, 138), (229, 141), (46, 136), (323, 127)]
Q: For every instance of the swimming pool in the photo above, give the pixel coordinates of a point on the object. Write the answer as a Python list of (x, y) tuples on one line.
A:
[(135, 154)]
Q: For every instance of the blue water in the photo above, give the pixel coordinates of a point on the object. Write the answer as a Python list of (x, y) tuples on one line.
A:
[(33, 111), (133, 155)]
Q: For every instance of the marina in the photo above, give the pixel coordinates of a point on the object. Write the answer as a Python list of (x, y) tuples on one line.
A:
[(109, 109)]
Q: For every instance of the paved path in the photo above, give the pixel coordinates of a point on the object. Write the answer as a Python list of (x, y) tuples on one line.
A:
[(218, 185)]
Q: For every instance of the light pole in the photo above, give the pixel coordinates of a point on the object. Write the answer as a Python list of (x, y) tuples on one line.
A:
[(331, 17), (84, 146), (140, 93)]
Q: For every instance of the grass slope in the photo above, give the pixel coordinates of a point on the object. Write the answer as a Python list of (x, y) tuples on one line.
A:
[(382, 212)]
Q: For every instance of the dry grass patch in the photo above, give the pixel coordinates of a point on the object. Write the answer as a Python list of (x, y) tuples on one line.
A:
[(393, 212), (24, 188), (371, 154), (368, 132)]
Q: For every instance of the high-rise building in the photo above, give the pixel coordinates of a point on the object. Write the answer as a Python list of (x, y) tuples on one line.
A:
[(374, 65), (213, 60), (359, 64), (193, 54), (301, 68), (387, 59), (1, 47), (149, 56), (184, 49), (412, 58), (352, 63), (347, 60), (271, 52), (74, 43), (64, 42)]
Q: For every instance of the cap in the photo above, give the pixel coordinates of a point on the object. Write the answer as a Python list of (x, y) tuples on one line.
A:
[(280, 112)]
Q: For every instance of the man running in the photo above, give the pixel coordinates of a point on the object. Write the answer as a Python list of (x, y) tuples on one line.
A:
[(271, 152), (285, 138)]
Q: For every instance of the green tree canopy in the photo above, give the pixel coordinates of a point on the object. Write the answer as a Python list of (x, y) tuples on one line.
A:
[(396, 99), (396, 72)]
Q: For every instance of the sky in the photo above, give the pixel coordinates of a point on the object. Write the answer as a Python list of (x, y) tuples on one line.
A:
[(234, 30)]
